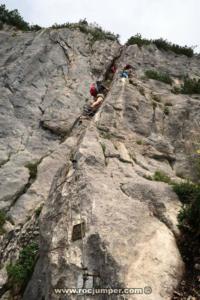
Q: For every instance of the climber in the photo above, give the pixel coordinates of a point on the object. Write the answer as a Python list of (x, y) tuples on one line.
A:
[(97, 102), (128, 67), (98, 91), (113, 69), (126, 72), (97, 88), (90, 109)]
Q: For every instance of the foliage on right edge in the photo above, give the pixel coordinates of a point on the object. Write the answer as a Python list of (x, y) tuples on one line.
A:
[(189, 216), (161, 44)]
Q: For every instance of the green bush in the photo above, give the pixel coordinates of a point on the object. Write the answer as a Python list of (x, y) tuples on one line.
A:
[(154, 104), (186, 191), (196, 163), (20, 272), (140, 142), (193, 215), (103, 146), (106, 135), (165, 45), (176, 90), (189, 215), (161, 44), (137, 39), (166, 110), (38, 211), (35, 27), (96, 32), (164, 77), (32, 167), (182, 216), (156, 97), (161, 176), (190, 86), (168, 104), (13, 18), (64, 25)]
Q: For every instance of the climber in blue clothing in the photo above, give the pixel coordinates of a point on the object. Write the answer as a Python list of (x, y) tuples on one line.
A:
[(126, 72)]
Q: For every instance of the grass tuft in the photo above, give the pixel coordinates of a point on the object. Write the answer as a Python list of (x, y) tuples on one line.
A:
[(20, 272), (163, 77)]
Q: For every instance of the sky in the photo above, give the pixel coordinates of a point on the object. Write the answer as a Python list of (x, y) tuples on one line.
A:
[(174, 20)]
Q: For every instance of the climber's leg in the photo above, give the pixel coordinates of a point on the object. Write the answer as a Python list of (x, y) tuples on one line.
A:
[(97, 103)]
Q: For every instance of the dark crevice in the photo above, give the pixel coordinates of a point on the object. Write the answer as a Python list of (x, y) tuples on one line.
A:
[(189, 287), (118, 156), (5, 161), (60, 43), (42, 110), (102, 265), (8, 86), (113, 62), (34, 85), (64, 49), (154, 127), (164, 157), (123, 190), (33, 168), (55, 132), (4, 289)]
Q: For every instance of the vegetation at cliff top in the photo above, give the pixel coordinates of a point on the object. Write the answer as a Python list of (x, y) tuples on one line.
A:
[(160, 76), (161, 44), (19, 273), (13, 18), (94, 30)]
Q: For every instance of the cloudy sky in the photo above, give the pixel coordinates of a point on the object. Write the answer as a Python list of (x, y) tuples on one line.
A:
[(175, 20)]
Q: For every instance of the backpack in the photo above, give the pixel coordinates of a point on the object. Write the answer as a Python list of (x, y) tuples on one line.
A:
[(100, 87), (93, 90)]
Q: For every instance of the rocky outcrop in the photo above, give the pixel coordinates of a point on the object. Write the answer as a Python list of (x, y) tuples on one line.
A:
[(104, 223), (44, 85)]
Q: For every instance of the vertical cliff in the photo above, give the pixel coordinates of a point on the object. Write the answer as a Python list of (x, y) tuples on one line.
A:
[(103, 222)]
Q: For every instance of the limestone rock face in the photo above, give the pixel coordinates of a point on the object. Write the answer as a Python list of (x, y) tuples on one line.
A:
[(104, 223), (43, 84)]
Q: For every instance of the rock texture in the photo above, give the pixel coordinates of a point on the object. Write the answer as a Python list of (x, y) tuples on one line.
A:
[(92, 176)]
